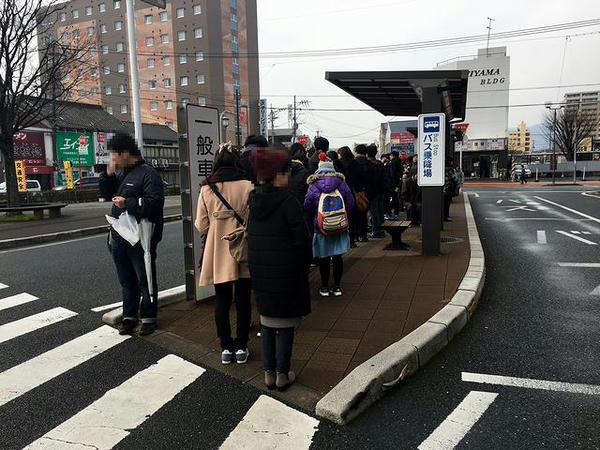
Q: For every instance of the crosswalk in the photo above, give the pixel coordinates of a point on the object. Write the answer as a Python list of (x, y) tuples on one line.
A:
[(120, 409)]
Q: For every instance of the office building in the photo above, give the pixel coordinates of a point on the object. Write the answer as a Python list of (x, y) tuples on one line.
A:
[(519, 140)]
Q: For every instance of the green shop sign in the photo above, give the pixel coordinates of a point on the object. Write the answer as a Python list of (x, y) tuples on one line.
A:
[(70, 146)]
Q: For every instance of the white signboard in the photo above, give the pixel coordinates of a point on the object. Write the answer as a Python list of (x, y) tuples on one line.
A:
[(432, 149), (263, 118), (101, 153), (203, 143)]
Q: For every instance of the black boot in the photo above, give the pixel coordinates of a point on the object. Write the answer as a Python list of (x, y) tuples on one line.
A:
[(127, 326), (147, 328)]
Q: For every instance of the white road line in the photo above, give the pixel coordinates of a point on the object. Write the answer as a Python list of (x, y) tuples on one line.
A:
[(18, 328), (574, 211), (587, 232), (566, 264), (499, 201), (105, 307), (508, 219), (112, 417), (36, 371), (541, 237), (596, 291), (529, 383), (16, 300), (3, 286), (270, 424), (475, 194), (577, 238), (454, 428), (575, 232), (514, 201)]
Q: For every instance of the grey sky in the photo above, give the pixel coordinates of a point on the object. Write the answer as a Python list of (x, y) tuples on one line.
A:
[(289, 25)]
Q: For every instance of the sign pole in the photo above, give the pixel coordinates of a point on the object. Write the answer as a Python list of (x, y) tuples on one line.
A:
[(133, 75)]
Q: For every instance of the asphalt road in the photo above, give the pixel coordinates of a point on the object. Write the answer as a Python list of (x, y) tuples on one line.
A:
[(536, 320)]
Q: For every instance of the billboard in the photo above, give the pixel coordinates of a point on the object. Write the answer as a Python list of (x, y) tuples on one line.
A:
[(29, 147), (432, 149), (71, 145), (101, 153)]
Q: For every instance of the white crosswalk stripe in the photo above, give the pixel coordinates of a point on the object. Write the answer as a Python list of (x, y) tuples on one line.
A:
[(16, 300), (31, 323), (3, 286)]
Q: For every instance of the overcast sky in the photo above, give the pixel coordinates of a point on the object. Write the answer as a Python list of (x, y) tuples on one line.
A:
[(291, 25)]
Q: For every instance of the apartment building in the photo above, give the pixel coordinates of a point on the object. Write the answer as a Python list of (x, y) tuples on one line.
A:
[(194, 51), (519, 140), (589, 104)]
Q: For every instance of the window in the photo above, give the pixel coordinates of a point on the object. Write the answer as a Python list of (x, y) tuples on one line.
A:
[(166, 61), (181, 35), (150, 63), (180, 13), (152, 84), (81, 93), (62, 16), (75, 14), (153, 106), (106, 70), (234, 17), (183, 81), (121, 89), (120, 46), (182, 58), (102, 7), (90, 31), (107, 90), (118, 25), (197, 10), (105, 49), (148, 19), (94, 91), (233, 4), (169, 123), (202, 101), (88, 10), (123, 109), (117, 4), (76, 34), (164, 38), (169, 104), (149, 41), (167, 82), (164, 16), (185, 101), (93, 72), (92, 52), (200, 79), (121, 67), (197, 33), (103, 29), (199, 55), (109, 109)]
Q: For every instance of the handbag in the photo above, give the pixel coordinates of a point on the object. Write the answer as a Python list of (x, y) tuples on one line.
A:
[(362, 202), (238, 238)]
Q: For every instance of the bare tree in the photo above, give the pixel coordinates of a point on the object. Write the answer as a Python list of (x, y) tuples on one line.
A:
[(572, 125), (37, 70)]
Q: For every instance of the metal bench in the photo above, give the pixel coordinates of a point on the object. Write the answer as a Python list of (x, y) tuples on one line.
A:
[(54, 209), (395, 228)]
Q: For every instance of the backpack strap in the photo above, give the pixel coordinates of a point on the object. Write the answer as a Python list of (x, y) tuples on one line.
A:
[(226, 203)]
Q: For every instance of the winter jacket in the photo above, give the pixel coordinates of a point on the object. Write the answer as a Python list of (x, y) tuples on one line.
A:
[(297, 184), (246, 167), (313, 162), (364, 180), (324, 183), (216, 221), (279, 253), (395, 170), (348, 169), (142, 188)]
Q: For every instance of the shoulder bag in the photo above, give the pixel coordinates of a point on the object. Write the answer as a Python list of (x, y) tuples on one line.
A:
[(238, 238)]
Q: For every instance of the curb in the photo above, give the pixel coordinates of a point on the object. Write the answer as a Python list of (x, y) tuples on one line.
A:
[(367, 382), (64, 235), (165, 298)]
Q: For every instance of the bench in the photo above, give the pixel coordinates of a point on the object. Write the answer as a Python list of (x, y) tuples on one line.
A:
[(54, 209), (395, 228)]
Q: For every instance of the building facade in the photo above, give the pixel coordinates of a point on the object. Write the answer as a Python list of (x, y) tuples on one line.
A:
[(588, 103), (187, 53), (519, 140)]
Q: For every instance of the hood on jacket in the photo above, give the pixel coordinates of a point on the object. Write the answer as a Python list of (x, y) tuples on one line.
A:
[(264, 200), (326, 182)]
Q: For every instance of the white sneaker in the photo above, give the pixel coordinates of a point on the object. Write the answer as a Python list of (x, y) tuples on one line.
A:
[(241, 356), (226, 357)]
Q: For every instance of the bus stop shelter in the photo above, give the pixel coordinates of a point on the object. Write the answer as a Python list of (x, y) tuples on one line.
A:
[(410, 93)]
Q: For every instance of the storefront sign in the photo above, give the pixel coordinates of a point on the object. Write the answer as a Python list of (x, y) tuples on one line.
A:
[(29, 146), (70, 146), (264, 129), (432, 151), (302, 140), (21, 177), (68, 174), (101, 153)]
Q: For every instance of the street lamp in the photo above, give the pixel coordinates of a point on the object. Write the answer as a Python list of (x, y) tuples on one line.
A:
[(552, 107), (224, 120)]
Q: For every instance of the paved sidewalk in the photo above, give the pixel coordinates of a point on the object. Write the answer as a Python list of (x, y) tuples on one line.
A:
[(387, 294), (74, 216)]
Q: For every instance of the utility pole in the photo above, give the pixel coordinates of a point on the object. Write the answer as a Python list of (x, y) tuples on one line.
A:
[(295, 125), (133, 72), (489, 28), (272, 119), (238, 131)]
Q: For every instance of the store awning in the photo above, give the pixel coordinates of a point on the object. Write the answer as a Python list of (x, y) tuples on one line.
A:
[(399, 93)]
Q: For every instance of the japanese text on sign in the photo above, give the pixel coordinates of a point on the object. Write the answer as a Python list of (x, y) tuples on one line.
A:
[(21, 178), (431, 149)]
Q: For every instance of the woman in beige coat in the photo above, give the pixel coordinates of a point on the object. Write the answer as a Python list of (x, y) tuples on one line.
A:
[(230, 278)]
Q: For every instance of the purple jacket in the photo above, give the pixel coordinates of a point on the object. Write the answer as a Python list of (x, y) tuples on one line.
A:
[(326, 182)]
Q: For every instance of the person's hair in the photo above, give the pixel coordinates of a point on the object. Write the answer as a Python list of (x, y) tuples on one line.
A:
[(121, 143), (321, 144), (296, 151), (372, 150), (332, 155), (226, 156), (395, 154), (345, 152), (257, 141), (361, 149)]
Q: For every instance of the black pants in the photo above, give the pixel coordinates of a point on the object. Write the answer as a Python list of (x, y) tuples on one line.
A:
[(447, 201), (361, 222), (129, 261), (276, 348), (224, 294), (325, 268)]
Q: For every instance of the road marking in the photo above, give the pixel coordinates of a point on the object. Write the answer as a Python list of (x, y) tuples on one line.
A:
[(499, 201), (271, 424), (514, 201), (565, 264), (31, 323), (529, 383), (518, 208), (534, 203), (541, 237), (587, 232), (508, 219), (112, 417), (577, 238), (476, 194), (16, 300), (574, 211), (20, 379), (455, 427), (105, 307), (3, 286), (596, 291), (575, 232)]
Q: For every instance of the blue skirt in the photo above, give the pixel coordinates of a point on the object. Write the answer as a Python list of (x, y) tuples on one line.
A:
[(324, 246)]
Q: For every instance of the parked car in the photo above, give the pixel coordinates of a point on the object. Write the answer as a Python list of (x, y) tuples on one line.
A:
[(82, 183), (527, 170), (30, 186)]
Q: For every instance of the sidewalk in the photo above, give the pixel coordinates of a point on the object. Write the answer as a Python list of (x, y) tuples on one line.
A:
[(387, 294), (75, 216)]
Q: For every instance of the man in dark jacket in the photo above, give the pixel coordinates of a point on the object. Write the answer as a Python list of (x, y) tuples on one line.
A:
[(363, 182), (298, 173), (381, 188), (321, 145), (136, 188), (252, 142), (395, 172)]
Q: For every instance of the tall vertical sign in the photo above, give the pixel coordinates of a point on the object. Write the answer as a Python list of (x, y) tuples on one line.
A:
[(264, 127), (21, 177), (432, 149), (203, 142)]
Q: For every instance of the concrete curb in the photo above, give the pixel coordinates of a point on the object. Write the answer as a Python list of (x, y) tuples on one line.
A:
[(64, 235), (165, 298), (367, 382)]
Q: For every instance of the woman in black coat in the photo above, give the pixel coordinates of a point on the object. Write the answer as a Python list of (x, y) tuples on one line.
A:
[(279, 256)]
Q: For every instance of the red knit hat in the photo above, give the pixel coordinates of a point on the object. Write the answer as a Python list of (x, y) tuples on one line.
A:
[(267, 163)]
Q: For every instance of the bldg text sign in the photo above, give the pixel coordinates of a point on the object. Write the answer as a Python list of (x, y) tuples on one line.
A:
[(432, 151)]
